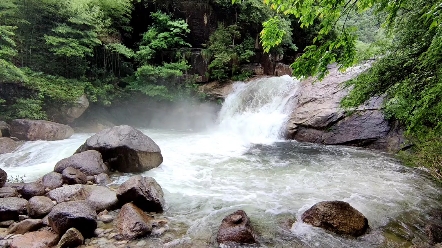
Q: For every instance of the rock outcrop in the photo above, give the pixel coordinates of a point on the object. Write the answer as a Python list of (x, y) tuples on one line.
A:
[(144, 192), (69, 112), (77, 214), (338, 217), (318, 118), (125, 149), (25, 129), (236, 230), (132, 222), (8, 145)]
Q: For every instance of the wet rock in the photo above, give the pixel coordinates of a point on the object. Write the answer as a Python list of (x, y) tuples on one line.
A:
[(8, 145), (25, 129), (125, 149), (88, 162), (52, 180), (77, 214), (102, 179), (3, 177), (8, 192), (39, 239), (25, 226), (144, 192), (132, 222), (32, 189), (73, 176), (235, 230), (12, 207), (40, 206), (338, 217), (4, 129), (72, 238), (434, 233)]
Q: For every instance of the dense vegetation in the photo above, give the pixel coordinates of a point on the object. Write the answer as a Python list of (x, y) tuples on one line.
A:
[(407, 71), (113, 49)]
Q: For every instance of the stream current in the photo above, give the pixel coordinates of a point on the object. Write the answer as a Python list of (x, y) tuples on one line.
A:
[(242, 163)]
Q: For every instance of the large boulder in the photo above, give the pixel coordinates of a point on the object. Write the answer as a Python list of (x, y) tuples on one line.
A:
[(3, 177), (12, 207), (125, 149), (88, 162), (338, 217), (77, 214), (144, 192), (132, 222), (68, 193), (69, 112), (40, 206), (235, 230), (39, 239), (8, 145), (25, 129)]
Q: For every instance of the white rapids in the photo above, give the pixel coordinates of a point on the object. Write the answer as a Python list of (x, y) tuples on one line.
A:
[(242, 163)]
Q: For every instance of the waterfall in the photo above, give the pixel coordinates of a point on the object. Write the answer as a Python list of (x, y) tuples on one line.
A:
[(257, 110)]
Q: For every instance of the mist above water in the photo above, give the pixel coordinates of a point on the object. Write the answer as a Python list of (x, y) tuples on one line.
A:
[(240, 162)]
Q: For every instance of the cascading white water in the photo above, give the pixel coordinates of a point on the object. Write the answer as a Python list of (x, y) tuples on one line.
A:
[(242, 164)]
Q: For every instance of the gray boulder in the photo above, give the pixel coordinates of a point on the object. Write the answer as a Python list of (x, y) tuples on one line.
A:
[(68, 193), (39, 206), (338, 217), (25, 129), (102, 179), (77, 214), (69, 112), (12, 207), (32, 189), (235, 230), (52, 180), (88, 162), (3, 177), (132, 222), (8, 192), (72, 238), (144, 192), (8, 145), (125, 149), (73, 176)]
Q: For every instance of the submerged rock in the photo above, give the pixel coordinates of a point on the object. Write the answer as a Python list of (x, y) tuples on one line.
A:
[(88, 162), (236, 230), (132, 222), (338, 217), (144, 192), (125, 149), (25, 129), (77, 214)]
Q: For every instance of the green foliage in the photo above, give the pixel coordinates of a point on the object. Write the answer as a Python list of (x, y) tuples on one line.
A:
[(226, 53), (29, 109)]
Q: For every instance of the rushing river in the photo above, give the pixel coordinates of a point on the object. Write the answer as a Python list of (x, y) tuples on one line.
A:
[(241, 163)]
